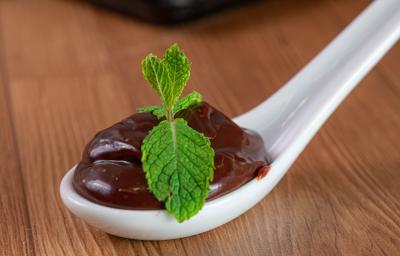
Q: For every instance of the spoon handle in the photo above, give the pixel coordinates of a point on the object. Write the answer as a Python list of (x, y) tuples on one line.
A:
[(290, 118)]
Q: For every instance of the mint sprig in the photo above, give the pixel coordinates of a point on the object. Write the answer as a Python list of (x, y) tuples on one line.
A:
[(178, 160)]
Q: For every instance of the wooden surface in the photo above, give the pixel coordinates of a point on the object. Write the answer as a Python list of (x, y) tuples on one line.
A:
[(68, 70)]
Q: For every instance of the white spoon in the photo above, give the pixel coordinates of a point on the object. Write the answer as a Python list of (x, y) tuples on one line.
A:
[(287, 121)]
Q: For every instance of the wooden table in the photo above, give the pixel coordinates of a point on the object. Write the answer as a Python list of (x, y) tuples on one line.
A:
[(68, 70)]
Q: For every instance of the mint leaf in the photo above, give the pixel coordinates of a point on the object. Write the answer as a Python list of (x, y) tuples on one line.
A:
[(179, 163), (157, 110), (192, 99), (169, 75), (178, 67), (156, 73)]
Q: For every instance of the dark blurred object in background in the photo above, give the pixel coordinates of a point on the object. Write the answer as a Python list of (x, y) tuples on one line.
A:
[(167, 11)]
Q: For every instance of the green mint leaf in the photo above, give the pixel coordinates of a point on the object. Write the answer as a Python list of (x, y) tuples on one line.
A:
[(157, 110), (167, 76), (178, 67), (178, 161), (179, 164), (192, 99), (156, 73)]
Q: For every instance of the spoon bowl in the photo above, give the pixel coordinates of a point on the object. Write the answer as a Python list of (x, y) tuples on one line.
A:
[(287, 121), (158, 224)]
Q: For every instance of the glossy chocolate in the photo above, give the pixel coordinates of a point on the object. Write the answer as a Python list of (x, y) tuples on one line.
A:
[(111, 174)]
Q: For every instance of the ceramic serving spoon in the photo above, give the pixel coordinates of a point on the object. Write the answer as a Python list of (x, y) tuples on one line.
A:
[(286, 121)]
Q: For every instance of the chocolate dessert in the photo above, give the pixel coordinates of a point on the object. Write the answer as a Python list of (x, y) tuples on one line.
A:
[(110, 172)]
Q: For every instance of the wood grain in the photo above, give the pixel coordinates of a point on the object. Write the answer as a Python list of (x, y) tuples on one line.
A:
[(16, 233), (68, 70)]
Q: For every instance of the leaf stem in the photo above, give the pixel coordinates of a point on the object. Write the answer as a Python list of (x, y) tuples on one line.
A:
[(170, 115)]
